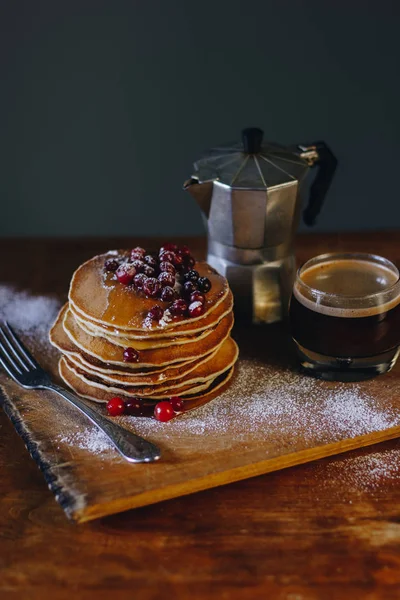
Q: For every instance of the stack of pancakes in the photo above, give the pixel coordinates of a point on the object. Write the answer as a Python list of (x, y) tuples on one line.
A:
[(190, 357)]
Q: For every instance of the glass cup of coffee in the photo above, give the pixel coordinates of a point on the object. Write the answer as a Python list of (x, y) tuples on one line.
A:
[(345, 316)]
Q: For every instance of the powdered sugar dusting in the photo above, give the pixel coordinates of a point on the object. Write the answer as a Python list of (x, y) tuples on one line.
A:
[(90, 439)]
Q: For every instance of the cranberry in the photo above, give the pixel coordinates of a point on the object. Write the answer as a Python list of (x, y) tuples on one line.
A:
[(167, 256), (196, 309), (166, 278), (138, 280), (149, 271), (131, 355), (189, 263), (125, 273), (188, 288), (177, 403), (168, 247), (133, 406), (204, 284), (150, 260), (139, 265), (184, 250), (178, 260), (168, 294), (115, 407), (155, 313), (198, 297), (179, 307), (111, 265), (163, 411), (167, 266), (151, 287), (192, 276), (138, 253)]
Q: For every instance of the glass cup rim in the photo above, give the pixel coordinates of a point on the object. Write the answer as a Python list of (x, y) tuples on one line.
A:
[(329, 256)]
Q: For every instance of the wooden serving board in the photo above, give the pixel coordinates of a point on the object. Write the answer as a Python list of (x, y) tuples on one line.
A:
[(271, 417)]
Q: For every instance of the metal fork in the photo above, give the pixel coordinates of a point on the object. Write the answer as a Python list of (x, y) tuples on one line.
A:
[(25, 370)]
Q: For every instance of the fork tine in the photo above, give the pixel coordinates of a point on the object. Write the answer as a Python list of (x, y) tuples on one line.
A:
[(7, 369), (21, 347), (9, 348), (8, 362)]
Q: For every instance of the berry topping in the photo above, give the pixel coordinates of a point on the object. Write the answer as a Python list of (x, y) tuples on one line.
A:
[(131, 355), (149, 271), (115, 407), (139, 265), (177, 403), (192, 276), (166, 278), (178, 307), (178, 260), (125, 273), (188, 288), (151, 287), (134, 407), (168, 294), (198, 297), (204, 284), (150, 260), (196, 309), (167, 256), (167, 266), (168, 247), (138, 280), (163, 411), (189, 263), (184, 250), (138, 253), (155, 313), (111, 265)]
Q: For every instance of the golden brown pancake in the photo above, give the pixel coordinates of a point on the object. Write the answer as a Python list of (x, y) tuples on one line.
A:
[(106, 352), (181, 329), (210, 368), (99, 297), (86, 390)]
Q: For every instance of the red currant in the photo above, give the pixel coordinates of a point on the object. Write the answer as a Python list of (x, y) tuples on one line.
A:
[(167, 266), (138, 253), (168, 294), (196, 309), (131, 355), (168, 247), (111, 265), (125, 273), (188, 288), (151, 287), (166, 278), (150, 260), (163, 411), (115, 407), (167, 256), (177, 403), (139, 265), (138, 280), (198, 297), (155, 313), (184, 250), (179, 307), (133, 406), (149, 271)]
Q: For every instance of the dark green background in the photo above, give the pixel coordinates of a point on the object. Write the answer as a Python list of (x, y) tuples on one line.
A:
[(104, 105)]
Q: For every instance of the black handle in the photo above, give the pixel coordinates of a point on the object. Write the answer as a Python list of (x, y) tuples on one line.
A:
[(318, 155)]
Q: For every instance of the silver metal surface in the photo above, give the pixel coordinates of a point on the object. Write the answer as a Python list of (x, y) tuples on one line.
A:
[(20, 365), (251, 206)]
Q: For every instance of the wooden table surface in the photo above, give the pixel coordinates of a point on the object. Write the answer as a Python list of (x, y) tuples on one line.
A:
[(326, 530)]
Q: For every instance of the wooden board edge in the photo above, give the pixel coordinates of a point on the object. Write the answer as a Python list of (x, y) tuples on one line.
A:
[(237, 474), (65, 499)]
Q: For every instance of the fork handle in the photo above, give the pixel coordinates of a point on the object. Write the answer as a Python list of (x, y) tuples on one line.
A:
[(131, 446)]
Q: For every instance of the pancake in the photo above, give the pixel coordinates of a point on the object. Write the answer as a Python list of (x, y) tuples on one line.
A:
[(186, 329), (141, 344), (107, 352), (202, 376), (99, 297), (65, 345), (86, 390)]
